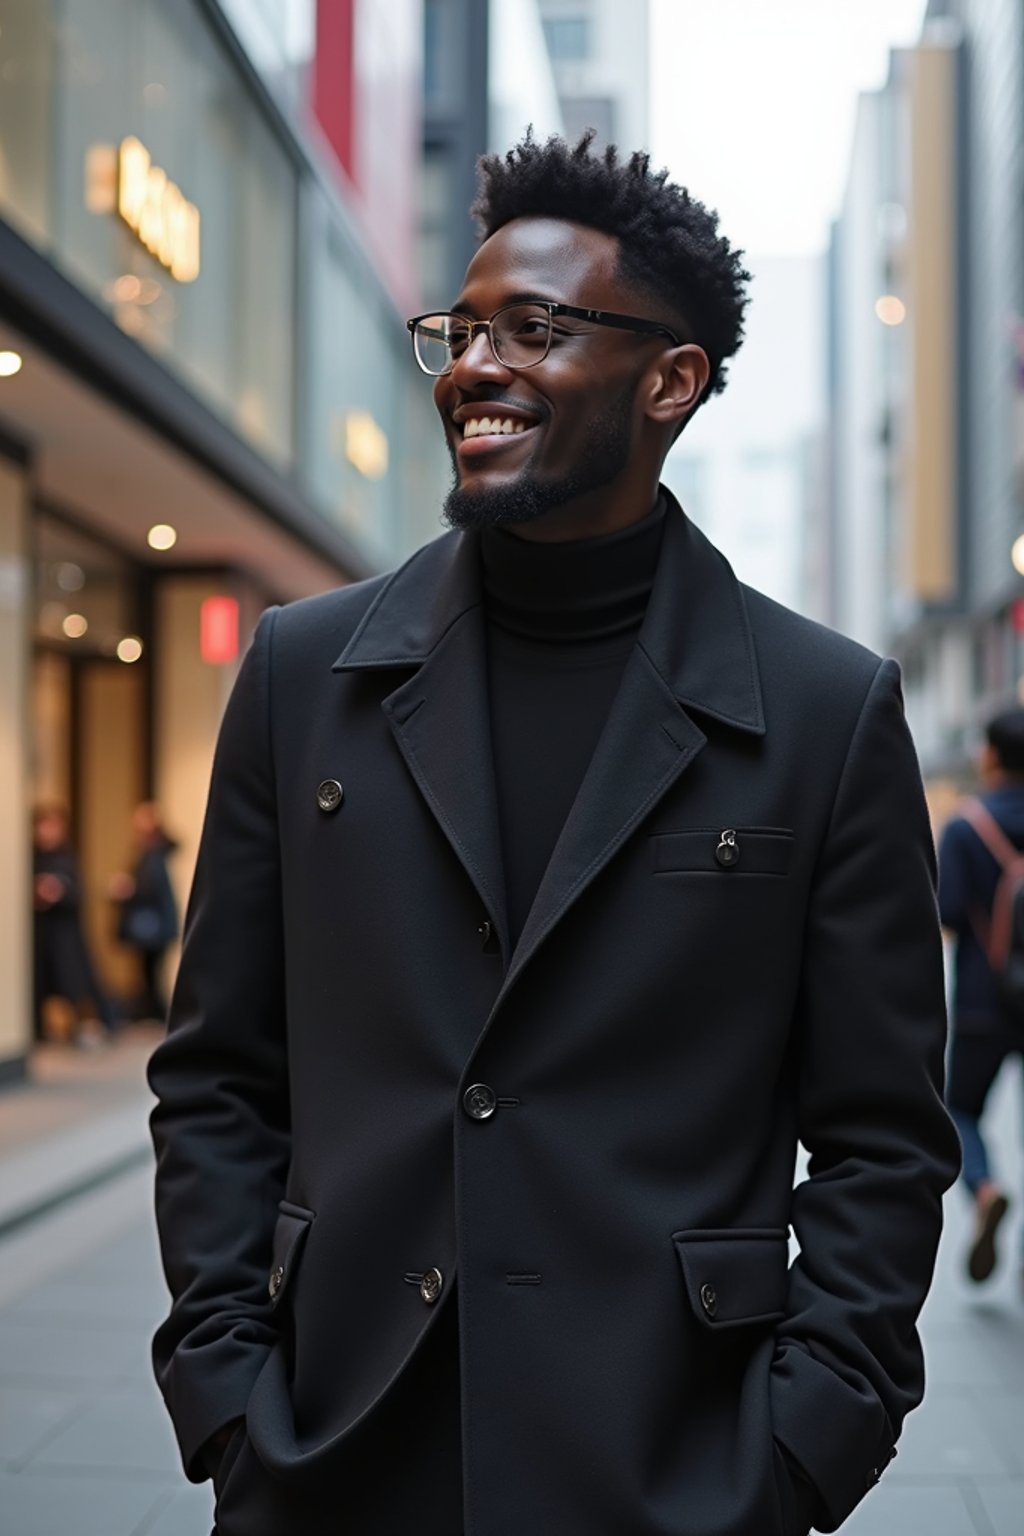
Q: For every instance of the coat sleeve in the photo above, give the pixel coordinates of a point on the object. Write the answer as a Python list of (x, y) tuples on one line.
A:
[(848, 1364), (221, 1123)]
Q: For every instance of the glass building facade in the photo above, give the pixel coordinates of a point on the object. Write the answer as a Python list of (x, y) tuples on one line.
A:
[(207, 337), (283, 311)]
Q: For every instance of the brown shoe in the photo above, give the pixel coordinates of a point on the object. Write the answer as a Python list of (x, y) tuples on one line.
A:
[(991, 1206)]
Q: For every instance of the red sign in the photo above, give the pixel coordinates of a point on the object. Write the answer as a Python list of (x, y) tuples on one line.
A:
[(218, 630), (1018, 615), (367, 84)]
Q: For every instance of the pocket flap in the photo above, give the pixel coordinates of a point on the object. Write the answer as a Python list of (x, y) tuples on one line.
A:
[(293, 1223), (735, 1275), (756, 851)]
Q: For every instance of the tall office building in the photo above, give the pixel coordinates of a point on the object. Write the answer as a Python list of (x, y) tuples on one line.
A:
[(747, 468), (487, 77), (599, 51), (927, 447)]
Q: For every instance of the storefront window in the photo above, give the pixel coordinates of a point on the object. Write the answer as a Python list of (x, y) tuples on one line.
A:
[(25, 94), (150, 79), (85, 599), (280, 38), (357, 364)]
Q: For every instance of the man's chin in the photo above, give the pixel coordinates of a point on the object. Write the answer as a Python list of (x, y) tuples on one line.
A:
[(499, 506), (519, 501)]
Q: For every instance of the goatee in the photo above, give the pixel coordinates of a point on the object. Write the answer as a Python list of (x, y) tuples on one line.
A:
[(604, 454)]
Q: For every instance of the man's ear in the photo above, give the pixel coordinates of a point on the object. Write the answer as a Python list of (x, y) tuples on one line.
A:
[(677, 384)]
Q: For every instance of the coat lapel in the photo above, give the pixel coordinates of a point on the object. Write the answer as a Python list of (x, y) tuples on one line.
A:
[(429, 617), (694, 653), (694, 658)]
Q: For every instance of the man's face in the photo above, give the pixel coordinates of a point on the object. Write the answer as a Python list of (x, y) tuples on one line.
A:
[(577, 408)]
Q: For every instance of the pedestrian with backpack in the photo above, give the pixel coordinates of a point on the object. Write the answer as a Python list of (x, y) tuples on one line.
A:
[(981, 902)]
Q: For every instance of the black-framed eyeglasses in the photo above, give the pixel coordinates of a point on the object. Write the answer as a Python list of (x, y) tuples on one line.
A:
[(519, 334)]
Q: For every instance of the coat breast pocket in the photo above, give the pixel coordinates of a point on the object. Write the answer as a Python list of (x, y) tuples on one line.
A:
[(723, 852)]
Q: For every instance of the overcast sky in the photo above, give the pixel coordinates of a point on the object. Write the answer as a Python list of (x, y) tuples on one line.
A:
[(753, 106)]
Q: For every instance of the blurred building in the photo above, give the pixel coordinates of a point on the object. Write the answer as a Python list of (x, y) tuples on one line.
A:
[(749, 469), (926, 377), (487, 77), (207, 399), (600, 53)]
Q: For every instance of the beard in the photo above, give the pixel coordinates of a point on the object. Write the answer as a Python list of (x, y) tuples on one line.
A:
[(604, 454)]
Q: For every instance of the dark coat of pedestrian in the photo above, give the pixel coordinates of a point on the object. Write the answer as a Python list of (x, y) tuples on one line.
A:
[(148, 918), (551, 889), (985, 1034), (63, 967)]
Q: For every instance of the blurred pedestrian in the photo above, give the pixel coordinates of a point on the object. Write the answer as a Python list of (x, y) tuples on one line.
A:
[(551, 889), (977, 845), (148, 921), (64, 970)]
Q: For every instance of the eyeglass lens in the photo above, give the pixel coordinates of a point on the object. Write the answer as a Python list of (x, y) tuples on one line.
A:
[(520, 337)]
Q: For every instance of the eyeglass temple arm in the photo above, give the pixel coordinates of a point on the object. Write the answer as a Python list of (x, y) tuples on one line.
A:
[(619, 322)]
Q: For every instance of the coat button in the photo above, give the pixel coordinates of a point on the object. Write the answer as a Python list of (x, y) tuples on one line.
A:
[(479, 1101), (709, 1299), (485, 931), (728, 851), (276, 1281), (329, 795), (431, 1286)]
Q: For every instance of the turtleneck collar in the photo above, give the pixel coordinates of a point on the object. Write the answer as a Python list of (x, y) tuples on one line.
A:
[(580, 589)]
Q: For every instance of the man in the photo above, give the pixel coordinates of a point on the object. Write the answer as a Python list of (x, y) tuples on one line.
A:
[(984, 1034), (551, 887)]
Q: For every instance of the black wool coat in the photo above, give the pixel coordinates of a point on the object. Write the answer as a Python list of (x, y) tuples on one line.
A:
[(735, 945)]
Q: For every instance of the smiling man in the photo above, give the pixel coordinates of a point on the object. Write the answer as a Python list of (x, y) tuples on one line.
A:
[(551, 888)]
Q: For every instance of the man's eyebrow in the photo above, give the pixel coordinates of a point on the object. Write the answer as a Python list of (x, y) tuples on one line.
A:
[(461, 307)]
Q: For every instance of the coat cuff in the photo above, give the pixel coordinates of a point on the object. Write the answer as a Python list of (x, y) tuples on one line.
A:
[(206, 1391), (838, 1433)]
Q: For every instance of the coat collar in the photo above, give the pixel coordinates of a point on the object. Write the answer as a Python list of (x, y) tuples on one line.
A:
[(696, 632)]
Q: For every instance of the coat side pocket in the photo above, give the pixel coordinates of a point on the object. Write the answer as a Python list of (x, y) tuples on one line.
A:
[(734, 1276), (290, 1233)]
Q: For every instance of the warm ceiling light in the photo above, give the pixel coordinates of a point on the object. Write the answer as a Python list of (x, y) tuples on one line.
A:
[(75, 626), (10, 364), (162, 536), (126, 288), (70, 577), (1017, 554), (129, 649), (891, 310), (130, 289)]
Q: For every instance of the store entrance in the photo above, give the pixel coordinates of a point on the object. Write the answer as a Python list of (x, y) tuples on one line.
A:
[(90, 733)]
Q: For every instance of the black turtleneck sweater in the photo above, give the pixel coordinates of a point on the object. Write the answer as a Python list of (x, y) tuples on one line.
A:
[(561, 620)]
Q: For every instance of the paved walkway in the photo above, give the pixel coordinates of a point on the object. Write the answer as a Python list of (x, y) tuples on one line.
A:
[(86, 1450)]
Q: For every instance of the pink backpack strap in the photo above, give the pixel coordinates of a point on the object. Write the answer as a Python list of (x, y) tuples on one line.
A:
[(994, 931), (990, 832)]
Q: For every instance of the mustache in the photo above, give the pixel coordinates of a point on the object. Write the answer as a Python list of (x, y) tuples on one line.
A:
[(495, 397)]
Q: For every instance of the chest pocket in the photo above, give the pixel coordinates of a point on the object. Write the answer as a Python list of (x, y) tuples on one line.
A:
[(725, 852)]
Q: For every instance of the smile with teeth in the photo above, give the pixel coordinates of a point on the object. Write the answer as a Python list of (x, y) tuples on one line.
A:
[(493, 426)]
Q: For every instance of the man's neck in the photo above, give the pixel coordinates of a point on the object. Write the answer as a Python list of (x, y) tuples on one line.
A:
[(590, 517)]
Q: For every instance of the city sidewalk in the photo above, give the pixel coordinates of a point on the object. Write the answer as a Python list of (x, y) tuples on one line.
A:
[(79, 1118), (86, 1449)]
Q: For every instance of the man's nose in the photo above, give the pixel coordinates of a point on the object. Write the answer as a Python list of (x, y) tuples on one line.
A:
[(478, 362)]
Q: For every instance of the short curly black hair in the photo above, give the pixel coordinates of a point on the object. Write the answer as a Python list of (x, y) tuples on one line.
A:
[(669, 244)]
